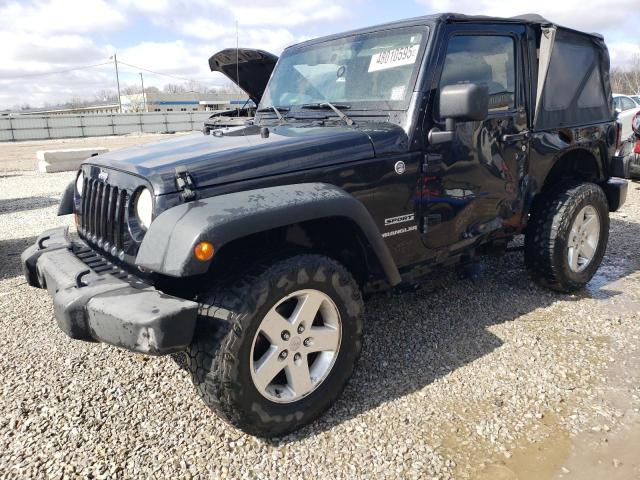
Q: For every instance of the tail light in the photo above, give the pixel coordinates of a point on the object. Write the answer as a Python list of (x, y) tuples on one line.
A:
[(636, 149)]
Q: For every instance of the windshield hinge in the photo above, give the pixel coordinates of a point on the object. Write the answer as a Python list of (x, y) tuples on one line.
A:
[(185, 184)]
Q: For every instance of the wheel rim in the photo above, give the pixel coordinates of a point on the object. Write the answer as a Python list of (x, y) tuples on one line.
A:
[(583, 239), (296, 346)]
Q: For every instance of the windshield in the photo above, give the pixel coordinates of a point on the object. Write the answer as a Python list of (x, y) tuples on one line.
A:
[(368, 71)]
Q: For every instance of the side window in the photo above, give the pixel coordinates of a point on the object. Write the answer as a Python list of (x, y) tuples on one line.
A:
[(617, 103), (627, 103), (592, 94), (486, 60), (575, 91)]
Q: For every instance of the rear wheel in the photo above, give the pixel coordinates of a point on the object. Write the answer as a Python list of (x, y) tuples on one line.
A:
[(567, 236), (275, 350)]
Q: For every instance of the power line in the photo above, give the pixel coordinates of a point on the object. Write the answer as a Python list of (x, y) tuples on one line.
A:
[(84, 67), (175, 77), (44, 74)]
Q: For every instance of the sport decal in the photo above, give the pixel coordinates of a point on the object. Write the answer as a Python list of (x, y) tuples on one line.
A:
[(401, 219)]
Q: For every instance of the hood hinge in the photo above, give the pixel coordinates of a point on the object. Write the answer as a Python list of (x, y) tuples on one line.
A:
[(185, 184)]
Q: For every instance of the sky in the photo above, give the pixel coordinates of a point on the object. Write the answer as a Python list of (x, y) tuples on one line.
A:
[(176, 38)]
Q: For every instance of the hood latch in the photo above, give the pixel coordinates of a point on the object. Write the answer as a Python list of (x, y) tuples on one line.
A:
[(185, 184)]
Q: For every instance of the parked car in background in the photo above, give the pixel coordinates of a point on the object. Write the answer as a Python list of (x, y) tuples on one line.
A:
[(636, 98), (629, 151), (626, 108)]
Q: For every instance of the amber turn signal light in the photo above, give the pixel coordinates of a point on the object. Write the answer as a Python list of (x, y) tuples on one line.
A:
[(204, 251)]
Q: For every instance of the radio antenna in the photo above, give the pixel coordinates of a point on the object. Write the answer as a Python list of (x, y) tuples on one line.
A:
[(237, 60)]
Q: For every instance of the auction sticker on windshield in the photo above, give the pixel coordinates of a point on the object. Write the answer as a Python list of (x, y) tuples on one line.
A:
[(396, 57)]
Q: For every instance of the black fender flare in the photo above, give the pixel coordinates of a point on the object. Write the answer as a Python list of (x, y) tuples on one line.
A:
[(168, 245), (66, 203)]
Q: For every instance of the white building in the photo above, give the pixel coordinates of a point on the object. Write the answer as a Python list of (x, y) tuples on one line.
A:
[(183, 102), (89, 109)]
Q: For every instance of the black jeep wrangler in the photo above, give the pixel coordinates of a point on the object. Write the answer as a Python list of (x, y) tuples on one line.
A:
[(375, 157)]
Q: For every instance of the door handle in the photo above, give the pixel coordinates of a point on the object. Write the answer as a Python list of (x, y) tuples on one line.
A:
[(515, 137), (432, 162)]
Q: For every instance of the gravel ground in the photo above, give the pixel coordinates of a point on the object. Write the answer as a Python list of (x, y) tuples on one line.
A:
[(497, 379)]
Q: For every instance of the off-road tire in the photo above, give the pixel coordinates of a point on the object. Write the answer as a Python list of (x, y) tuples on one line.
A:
[(180, 359), (547, 235), (229, 316)]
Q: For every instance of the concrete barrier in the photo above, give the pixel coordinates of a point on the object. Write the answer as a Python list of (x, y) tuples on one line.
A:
[(50, 161), (42, 127)]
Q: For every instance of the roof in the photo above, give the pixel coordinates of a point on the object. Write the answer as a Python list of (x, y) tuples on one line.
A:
[(527, 19), (41, 111)]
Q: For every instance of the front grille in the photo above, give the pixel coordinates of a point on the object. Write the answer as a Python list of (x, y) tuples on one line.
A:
[(103, 218)]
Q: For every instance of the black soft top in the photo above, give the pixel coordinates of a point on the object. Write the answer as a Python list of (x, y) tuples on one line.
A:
[(526, 19)]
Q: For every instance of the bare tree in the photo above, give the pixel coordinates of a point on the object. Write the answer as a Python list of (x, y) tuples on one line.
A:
[(174, 88), (616, 78), (229, 87), (106, 95), (76, 102), (627, 80), (195, 86), (632, 76), (131, 90)]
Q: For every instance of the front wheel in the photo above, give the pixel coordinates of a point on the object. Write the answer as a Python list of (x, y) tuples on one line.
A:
[(275, 350), (567, 236)]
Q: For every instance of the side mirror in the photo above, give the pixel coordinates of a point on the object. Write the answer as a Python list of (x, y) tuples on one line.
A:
[(465, 102)]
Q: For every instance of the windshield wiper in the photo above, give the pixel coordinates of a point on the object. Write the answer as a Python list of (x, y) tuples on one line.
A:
[(335, 108), (275, 109)]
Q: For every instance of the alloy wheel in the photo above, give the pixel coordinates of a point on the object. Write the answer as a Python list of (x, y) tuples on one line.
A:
[(296, 346), (583, 239)]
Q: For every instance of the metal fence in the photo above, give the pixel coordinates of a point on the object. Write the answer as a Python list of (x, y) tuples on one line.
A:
[(44, 127)]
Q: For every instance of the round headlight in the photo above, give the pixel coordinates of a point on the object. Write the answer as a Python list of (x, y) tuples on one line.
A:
[(80, 183), (144, 207)]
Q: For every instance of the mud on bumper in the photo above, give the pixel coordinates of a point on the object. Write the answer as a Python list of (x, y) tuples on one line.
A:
[(96, 301)]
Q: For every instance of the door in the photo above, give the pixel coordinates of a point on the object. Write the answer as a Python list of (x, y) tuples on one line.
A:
[(470, 185)]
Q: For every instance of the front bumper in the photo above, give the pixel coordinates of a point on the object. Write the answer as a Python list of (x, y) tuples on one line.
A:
[(94, 300)]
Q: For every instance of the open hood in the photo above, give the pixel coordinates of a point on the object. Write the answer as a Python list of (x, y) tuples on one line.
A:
[(253, 66)]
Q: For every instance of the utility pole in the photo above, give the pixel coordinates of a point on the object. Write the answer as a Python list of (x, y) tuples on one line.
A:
[(144, 97), (115, 61)]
